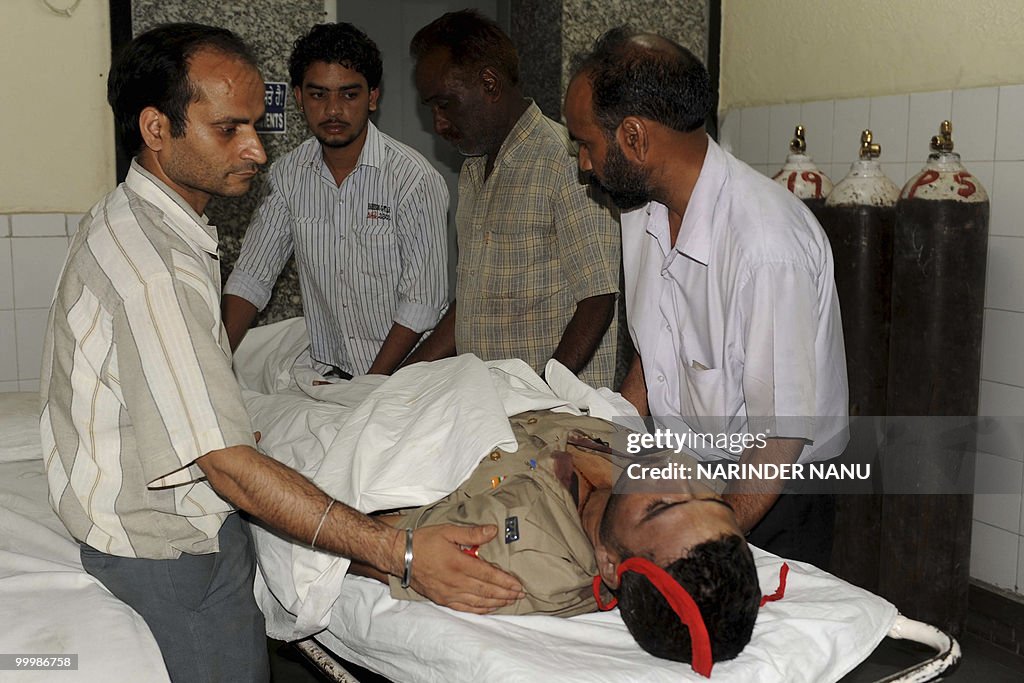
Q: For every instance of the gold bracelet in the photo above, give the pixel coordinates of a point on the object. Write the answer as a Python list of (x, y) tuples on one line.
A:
[(316, 534)]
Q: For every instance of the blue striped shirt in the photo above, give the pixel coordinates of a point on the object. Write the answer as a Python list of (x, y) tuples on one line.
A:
[(370, 253)]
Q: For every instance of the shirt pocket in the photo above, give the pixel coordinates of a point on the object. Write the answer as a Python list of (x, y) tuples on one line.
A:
[(313, 238), (375, 246), (520, 265), (702, 398)]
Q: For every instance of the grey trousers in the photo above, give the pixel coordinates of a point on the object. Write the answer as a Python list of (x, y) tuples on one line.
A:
[(200, 608)]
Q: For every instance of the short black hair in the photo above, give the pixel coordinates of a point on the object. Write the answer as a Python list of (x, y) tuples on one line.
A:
[(666, 84), (340, 43), (472, 41), (721, 578), (153, 71)]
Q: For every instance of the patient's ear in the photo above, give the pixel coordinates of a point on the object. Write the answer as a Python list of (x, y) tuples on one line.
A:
[(607, 566)]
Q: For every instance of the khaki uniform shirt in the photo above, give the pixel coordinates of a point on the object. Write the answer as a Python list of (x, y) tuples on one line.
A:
[(532, 244), (545, 547)]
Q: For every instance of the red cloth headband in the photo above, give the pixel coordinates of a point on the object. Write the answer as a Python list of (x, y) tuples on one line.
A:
[(683, 605), (680, 602)]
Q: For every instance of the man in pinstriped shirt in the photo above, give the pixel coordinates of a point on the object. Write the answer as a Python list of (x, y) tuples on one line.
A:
[(538, 267), (365, 215), (146, 440)]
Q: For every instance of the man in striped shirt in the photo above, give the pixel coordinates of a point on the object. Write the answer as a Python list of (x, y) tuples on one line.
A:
[(147, 444), (365, 216), (538, 270)]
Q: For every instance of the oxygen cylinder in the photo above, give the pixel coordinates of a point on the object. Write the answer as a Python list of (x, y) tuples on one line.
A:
[(859, 218), (938, 290), (801, 176)]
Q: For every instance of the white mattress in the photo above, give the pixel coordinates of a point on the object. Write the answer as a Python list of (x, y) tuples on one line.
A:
[(48, 604)]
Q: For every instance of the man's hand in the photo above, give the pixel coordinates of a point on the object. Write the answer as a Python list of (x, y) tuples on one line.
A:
[(751, 499), (447, 576)]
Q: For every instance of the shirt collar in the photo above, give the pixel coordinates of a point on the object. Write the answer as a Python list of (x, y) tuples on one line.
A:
[(372, 153), (179, 215), (694, 240), (520, 133)]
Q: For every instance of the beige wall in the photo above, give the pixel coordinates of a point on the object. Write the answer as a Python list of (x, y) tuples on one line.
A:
[(776, 51), (58, 140)]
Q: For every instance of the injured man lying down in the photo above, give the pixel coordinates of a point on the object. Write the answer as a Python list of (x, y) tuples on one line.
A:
[(572, 538), (469, 442)]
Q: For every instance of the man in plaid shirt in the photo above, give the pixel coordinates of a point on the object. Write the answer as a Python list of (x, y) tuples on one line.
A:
[(538, 266)]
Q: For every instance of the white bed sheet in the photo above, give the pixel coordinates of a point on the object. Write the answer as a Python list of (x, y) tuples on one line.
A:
[(818, 632), (48, 603), (375, 443)]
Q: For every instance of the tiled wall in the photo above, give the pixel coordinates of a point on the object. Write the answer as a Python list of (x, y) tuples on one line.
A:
[(32, 251), (989, 136)]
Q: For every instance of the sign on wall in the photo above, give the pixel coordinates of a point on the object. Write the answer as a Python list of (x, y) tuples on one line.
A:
[(275, 98)]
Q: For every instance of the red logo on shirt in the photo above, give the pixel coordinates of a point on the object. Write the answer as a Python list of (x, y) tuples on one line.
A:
[(378, 212)]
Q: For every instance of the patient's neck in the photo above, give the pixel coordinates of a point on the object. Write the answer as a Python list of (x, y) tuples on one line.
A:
[(591, 510)]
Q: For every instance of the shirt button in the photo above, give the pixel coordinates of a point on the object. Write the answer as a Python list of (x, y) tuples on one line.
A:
[(661, 378), (344, 305)]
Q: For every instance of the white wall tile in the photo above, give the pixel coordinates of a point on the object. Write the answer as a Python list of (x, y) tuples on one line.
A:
[(994, 555), (38, 224), (8, 387), (729, 131), (754, 135), (1006, 194), (899, 173), (5, 225), (29, 385), (72, 220), (851, 118), (1009, 132), (1000, 399), (8, 343), (31, 327), (927, 112), (818, 118), (37, 265), (6, 275), (782, 122), (974, 123), (1004, 276), (997, 486), (1002, 342), (888, 122)]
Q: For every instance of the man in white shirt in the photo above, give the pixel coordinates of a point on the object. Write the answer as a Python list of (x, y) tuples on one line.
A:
[(365, 216), (730, 294)]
